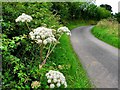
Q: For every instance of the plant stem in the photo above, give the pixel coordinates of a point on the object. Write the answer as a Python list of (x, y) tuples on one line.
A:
[(49, 52), (48, 49), (41, 51), (28, 26)]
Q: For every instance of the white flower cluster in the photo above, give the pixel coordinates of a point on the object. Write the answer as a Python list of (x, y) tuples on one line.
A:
[(64, 30), (42, 35), (24, 18), (35, 84), (55, 78)]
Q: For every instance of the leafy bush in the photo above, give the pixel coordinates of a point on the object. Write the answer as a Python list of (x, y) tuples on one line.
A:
[(39, 11), (103, 13), (20, 56)]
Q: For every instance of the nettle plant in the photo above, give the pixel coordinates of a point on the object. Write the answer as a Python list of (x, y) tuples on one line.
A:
[(47, 39)]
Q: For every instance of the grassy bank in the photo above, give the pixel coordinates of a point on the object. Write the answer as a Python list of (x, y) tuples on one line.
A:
[(107, 31), (65, 57), (70, 65)]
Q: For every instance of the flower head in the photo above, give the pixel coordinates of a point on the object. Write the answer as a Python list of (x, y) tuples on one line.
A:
[(58, 84), (52, 85), (64, 30), (55, 78), (24, 18), (42, 35), (35, 84)]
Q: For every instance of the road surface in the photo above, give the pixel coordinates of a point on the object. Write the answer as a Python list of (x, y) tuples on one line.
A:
[(98, 58)]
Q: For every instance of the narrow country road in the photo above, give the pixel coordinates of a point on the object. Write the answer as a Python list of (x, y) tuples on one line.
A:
[(98, 58)]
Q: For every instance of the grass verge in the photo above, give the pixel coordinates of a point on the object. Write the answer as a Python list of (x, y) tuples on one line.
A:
[(66, 61), (107, 33), (76, 23)]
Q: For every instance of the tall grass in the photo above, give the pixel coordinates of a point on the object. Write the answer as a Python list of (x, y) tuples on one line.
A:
[(107, 31)]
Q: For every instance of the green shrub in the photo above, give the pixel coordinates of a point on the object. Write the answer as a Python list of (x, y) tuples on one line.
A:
[(20, 56), (39, 11)]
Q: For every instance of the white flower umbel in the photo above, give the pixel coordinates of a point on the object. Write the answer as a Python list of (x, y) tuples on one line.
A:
[(52, 85), (64, 30), (55, 78), (35, 84), (24, 18), (42, 35)]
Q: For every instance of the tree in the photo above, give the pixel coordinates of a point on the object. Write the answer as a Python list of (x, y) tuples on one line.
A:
[(107, 7), (117, 15), (102, 13)]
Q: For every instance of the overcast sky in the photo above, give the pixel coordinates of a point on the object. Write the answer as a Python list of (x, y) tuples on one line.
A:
[(113, 3)]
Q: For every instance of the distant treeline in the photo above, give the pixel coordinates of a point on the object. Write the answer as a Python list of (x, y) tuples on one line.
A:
[(82, 10)]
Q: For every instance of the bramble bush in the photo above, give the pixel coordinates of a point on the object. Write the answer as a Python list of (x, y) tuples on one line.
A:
[(28, 48), (24, 48)]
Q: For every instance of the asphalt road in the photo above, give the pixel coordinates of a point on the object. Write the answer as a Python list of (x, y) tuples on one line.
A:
[(98, 58)]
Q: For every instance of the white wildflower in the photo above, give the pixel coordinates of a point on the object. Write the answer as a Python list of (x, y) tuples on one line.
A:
[(64, 30), (31, 33), (58, 84), (47, 74), (69, 34), (35, 84), (45, 42), (62, 81), (37, 37), (49, 81), (32, 37), (44, 34), (56, 78), (52, 85), (24, 18), (39, 41)]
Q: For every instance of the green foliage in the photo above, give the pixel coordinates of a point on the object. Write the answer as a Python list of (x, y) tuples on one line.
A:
[(107, 7), (61, 9), (39, 11), (77, 23), (107, 30), (21, 57), (117, 15), (80, 10), (103, 13)]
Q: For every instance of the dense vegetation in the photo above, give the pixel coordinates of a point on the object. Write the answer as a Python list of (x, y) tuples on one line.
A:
[(21, 58), (117, 15), (107, 30), (80, 10)]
